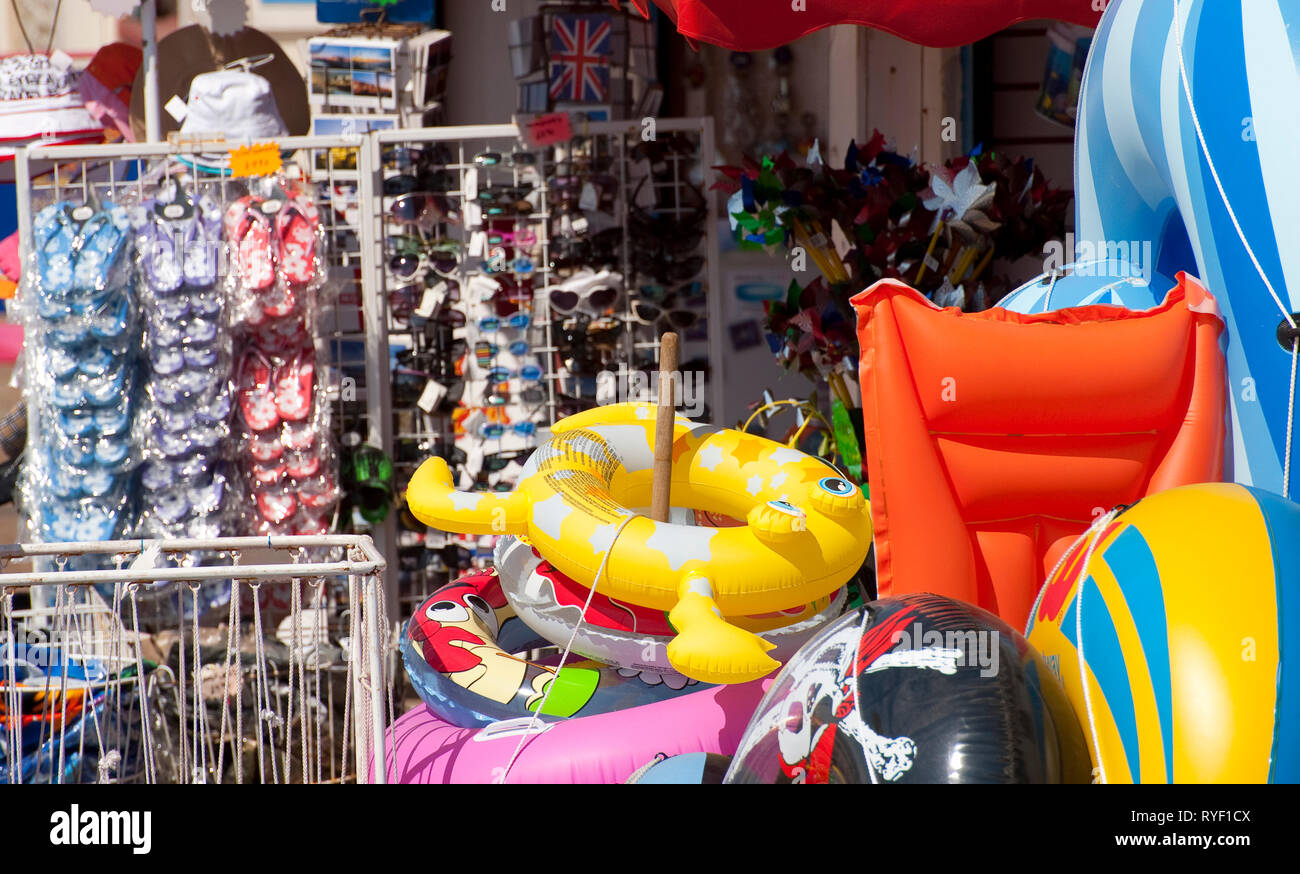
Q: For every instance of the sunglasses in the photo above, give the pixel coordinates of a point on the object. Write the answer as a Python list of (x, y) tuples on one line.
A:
[(652, 314), (518, 321), (528, 373), (522, 239), (404, 183), (495, 430), (689, 290), (499, 461), (424, 209), (594, 299)]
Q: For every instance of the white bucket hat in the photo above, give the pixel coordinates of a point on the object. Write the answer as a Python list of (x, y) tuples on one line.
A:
[(236, 104)]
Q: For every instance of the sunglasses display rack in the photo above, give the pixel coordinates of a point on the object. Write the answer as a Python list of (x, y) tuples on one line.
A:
[(522, 284), (199, 349)]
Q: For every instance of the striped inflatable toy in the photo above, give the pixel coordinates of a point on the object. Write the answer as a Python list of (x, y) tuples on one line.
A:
[(1186, 626), (1167, 183)]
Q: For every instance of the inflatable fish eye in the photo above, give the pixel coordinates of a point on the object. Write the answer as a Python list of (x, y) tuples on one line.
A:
[(835, 495), (483, 611), (837, 486), (446, 611)]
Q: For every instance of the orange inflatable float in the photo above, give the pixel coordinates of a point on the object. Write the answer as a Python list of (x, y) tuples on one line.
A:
[(994, 439)]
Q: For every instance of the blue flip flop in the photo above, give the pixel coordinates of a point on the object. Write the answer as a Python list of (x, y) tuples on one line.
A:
[(55, 237), (95, 361), (199, 356), (75, 453), (114, 419), (64, 482), (166, 360), (99, 481), (69, 394), (101, 241), (109, 388), (111, 318)]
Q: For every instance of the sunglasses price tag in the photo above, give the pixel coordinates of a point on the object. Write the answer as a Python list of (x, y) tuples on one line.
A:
[(546, 130), (433, 298), (589, 199), (477, 244), (433, 393)]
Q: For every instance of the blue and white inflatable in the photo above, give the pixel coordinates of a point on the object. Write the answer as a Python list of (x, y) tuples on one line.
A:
[(1186, 159)]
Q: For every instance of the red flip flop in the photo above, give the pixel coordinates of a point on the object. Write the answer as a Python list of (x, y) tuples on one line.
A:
[(299, 436), (268, 473), (249, 231), (295, 228), (293, 387), (276, 506), (256, 392), (318, 492), (301, 465), (264, 447)]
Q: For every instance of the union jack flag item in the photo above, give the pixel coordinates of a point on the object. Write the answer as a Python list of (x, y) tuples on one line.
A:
[(580, 49)]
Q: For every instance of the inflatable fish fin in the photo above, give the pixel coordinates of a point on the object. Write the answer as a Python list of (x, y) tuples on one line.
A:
[(710, 649), (434, 500)]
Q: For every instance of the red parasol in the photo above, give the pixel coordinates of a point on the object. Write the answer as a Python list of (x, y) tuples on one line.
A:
[(754, 25)]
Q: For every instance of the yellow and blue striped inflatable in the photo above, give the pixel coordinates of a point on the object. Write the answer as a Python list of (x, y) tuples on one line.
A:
[(1184, 623)]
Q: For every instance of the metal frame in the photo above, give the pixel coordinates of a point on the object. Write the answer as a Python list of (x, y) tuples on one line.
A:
[(363, 565), (377, 389)]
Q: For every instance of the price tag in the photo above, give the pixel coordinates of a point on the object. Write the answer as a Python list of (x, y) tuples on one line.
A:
[(589, 199), (930, 263), (547, 130), (261, 159), (177, 108), (434, 392), (477, 244), (60, 60), (433, 297)]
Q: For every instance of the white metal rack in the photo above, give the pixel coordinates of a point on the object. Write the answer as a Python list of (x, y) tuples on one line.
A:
[(200, 757)]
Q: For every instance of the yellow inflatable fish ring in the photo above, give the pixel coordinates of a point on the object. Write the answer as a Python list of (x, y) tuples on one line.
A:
[(808, 528)]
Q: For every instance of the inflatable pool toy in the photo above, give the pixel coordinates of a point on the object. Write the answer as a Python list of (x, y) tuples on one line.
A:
[(994, 439), (627, 635), (458, 668), (687, 769), (1183, 146), (808, 529), (1183, 614), (604, 748), (920, 689)]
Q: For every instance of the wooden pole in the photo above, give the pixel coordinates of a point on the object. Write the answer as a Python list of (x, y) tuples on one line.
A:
[(661, 489)]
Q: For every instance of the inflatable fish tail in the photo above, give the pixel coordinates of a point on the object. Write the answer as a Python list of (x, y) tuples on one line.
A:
[(435, 501)]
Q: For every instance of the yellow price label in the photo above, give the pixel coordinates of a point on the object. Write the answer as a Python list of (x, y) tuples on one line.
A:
[(260, 159)]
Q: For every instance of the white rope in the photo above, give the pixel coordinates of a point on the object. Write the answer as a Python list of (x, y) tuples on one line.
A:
[(13, 702), (1290, 419), (541, 708), (200, 765), (182, 766), (1286, 313), (1093, 533), (232, 644), (146, 730), (321, 637)]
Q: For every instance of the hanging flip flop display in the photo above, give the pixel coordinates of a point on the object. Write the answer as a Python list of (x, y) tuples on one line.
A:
[(178, 244), (285, 461), (83, 323)]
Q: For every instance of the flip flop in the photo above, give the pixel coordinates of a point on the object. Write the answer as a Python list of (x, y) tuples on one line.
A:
[(64, 482), (111, 453), (256, 392), (98, 481), (69, 395), (300, 436), (264, 446), (200, 357), (156, 241), (59, 522), (267, 473), (166, 361), (112, 318), (114, 419), (249, 231), (76, 453), (203, 244), (157, 474), (110, 387), (293, 388), (60, 362), (103, 240), (54, 235), (296, 230), (279, 302), (301, 465), (307, 524), (276, 506), (172, 309), (318, 492), (171, 506)]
